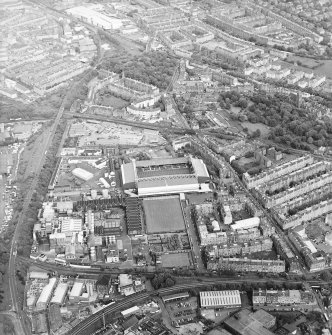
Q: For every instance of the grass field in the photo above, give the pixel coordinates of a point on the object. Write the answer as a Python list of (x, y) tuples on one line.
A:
[(163, 215), (175, 260), (254, 126)]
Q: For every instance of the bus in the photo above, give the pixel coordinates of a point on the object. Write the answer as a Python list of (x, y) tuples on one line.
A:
[(326, 317), (60, 261)]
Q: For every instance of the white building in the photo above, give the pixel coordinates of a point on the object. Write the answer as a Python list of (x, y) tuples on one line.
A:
[(96, 18), (60, 294), (46, 294), (218, 299), (246, 223), (82, 174)]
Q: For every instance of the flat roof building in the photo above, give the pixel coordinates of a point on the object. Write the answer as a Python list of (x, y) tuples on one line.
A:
[(46, 294), (60, 294), (246, 223), (218, 299), (76, 290), (245, 323), (82, 174), (176, 296)]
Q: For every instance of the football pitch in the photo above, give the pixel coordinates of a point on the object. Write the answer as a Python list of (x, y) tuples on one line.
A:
[(163, 215)]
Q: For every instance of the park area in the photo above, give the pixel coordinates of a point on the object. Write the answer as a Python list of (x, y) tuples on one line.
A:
[(252, 127), (163, 215)]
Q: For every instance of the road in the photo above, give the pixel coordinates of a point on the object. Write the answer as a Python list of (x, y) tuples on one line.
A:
[(36, 163)]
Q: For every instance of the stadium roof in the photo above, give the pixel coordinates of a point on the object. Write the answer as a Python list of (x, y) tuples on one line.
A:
[(199, 167), (162, 161), (168, 174), (167, 181)]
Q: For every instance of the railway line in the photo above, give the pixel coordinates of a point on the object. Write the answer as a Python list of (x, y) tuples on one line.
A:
[(102, 317)]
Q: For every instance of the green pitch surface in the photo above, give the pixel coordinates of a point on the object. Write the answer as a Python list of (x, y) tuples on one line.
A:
[(163, 215)]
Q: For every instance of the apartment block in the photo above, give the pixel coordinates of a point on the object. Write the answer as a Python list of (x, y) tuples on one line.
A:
[(280, 170), (247, 265)]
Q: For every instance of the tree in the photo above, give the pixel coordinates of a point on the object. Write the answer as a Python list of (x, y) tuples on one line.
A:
[(256, 133), (326, 275), (243, 103), (169, 282)]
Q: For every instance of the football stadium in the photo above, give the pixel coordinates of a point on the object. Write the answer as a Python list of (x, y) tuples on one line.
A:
[(163, 215), (165, 175)]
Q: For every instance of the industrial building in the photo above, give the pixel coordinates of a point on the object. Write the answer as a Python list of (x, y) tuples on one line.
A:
[(220, 299), (76, 291), (166, 175), (82, 174), (46, 294), (248, 323), (60, 294)]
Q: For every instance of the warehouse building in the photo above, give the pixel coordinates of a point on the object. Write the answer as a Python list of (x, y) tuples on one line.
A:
[(82, 174), (76, 291), (60, 294), (246, 322), (165, 175), (220, 299), (46, 294)]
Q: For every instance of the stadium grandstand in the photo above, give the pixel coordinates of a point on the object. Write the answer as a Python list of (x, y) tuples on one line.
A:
[(133, 216), (165, 175)]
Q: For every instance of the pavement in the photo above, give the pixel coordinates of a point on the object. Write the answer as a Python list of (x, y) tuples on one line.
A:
[(2, 200)]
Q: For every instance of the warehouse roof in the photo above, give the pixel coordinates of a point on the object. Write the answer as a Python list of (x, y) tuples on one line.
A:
[(47, 291), (175, 296), (210, 299), (162, 161), (244, 323), (77, 289), (38, 275), (59, 293)]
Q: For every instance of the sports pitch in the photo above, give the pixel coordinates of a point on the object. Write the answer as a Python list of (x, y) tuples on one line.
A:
[(180, 259), (163, 215)]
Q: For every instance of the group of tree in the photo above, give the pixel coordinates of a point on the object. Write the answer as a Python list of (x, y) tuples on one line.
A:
[(155, 67), (289, 124), (161, 280)]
